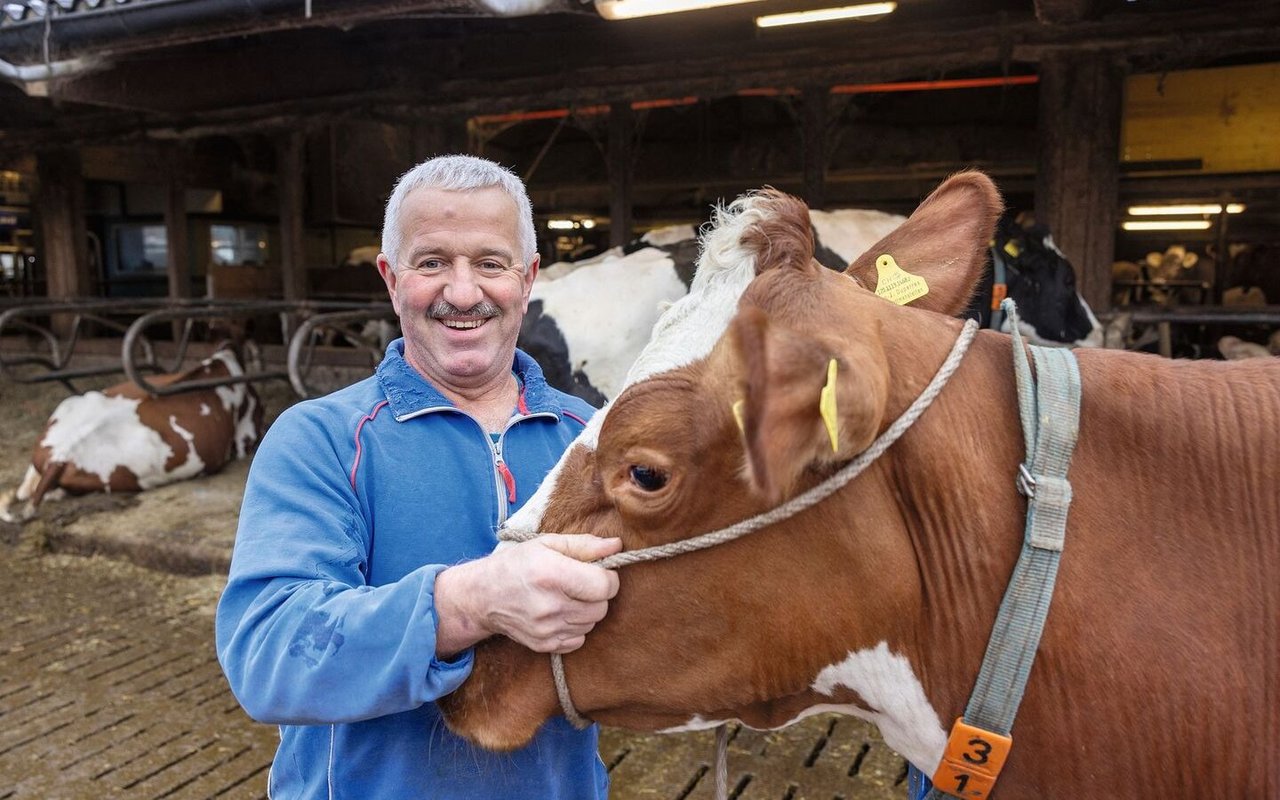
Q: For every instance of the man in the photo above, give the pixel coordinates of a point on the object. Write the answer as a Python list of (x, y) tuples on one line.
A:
[(362, 572)]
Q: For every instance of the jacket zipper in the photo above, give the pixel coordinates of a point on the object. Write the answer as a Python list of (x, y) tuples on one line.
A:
[(505, 479)]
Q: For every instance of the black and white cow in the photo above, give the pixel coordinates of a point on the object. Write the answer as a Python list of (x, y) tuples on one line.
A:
[(588, 320), (1027, 266)]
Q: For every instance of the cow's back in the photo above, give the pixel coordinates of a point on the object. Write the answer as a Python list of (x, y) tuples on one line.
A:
[(1169, 576), (123, 439)]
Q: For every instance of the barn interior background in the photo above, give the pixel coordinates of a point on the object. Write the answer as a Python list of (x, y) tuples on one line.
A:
[(159, 154)]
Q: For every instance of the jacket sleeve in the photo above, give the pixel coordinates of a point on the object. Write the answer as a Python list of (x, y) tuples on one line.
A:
[(300, 635)]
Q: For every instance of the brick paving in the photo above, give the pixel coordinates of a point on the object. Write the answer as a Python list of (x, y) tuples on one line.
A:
[(109, 689)]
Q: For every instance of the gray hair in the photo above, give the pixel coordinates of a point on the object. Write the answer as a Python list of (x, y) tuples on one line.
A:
[(459, 173)]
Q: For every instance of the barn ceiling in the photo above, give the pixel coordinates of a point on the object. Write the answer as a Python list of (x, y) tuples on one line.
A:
[(169, 66), (721, 102)]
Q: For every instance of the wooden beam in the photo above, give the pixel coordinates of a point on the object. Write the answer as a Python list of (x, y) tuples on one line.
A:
[(293, 269), (1077, 185), (621, 149), (514, 69), (1066, 12), (60, 205), (178, 238), (814, 135)]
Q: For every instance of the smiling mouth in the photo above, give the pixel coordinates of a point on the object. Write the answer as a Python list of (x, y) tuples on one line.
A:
[(463, 325)]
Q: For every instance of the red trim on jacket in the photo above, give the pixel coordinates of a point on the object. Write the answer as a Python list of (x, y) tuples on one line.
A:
[(359, 427)]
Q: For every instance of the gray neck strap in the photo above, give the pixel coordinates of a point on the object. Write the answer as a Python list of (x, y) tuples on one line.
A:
[(1049, 406)]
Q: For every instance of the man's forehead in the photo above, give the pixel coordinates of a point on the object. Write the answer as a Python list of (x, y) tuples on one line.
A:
[(445, 217)]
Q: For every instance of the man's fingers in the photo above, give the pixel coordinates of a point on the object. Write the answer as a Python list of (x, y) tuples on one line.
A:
[(581, 546)]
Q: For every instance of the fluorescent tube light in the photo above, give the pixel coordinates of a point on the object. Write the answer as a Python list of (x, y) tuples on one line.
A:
[(1167, 225), (560, 224), (1194, 208), (630, 9), (826, 14)]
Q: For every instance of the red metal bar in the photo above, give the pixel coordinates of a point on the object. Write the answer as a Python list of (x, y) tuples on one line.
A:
[(847, 88)]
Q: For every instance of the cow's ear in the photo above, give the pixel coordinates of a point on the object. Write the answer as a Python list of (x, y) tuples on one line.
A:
[(944, 242), (802, 401)]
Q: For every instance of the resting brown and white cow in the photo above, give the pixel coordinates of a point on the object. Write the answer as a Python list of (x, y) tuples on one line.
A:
[(1158, 674), (123, 440)]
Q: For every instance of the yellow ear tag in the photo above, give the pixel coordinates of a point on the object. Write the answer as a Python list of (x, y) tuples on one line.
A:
[(1012, 248), (737, 415), (896, 284), (827, 407)]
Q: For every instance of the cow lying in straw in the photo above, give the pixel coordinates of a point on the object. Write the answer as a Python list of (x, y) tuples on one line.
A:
[(123, 440)]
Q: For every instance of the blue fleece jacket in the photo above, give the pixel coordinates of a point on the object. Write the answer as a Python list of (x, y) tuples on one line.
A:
[(327, 627)]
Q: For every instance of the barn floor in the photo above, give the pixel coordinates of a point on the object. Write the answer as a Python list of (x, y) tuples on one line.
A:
[(109, 687)]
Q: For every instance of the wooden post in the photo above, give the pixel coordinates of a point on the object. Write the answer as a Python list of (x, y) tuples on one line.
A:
[(178, 239), (621, 152), (60, 202), (1077, 180), (815, 145), (293, 268)]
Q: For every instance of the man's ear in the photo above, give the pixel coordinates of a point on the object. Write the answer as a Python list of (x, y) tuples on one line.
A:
[(944, 242), (802, 401), (389, 277)]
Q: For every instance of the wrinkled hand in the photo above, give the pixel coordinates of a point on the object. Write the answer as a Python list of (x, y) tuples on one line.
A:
[(541, 593)]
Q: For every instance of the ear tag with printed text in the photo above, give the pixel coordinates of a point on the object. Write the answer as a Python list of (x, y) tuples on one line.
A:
[(827, 407), (1013, 248), (737, 415), (896, 284)]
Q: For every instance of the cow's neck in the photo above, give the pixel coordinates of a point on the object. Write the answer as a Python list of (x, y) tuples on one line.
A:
[(952, 480)]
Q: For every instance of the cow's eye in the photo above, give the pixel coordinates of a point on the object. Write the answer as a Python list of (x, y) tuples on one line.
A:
[(648, 478)]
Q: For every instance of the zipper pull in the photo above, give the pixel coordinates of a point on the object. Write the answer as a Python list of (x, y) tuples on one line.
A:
[(509, 480)]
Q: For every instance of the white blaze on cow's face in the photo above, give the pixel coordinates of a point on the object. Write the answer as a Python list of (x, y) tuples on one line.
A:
[(683, 334)]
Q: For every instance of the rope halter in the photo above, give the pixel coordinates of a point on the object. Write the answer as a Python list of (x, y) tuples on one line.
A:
[(788, 509)]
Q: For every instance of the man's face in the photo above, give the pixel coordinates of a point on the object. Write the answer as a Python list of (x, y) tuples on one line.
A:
[(459, 285)]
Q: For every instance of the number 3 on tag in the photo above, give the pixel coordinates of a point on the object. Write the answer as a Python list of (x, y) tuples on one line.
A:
[(972, 761)]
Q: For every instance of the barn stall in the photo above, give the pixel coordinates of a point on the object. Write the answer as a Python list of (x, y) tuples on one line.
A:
[(183, 157)]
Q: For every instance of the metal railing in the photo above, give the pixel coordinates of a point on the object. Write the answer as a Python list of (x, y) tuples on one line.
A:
[(1121, 320), (350, 325), (55, 329)]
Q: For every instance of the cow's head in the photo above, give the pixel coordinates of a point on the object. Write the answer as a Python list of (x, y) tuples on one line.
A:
[(801, 617), (1042, 282)]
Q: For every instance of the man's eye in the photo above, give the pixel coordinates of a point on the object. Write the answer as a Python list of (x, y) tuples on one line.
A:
[(491, 266), (430, 265)]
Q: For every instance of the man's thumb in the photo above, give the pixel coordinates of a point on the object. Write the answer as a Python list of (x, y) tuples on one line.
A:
[(581, 546)]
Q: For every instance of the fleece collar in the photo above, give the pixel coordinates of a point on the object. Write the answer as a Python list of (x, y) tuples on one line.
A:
[(408, 392)]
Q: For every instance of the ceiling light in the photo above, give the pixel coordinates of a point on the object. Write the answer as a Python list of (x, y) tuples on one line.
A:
[(1195, 208), (826, 14), (560, 224), (1167, 225), (629, 9)]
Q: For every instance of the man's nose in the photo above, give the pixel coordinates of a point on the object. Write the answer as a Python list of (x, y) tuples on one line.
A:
[(462, 289)]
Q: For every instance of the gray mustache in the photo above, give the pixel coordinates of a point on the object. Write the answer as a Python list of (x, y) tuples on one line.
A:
[(443, 308)]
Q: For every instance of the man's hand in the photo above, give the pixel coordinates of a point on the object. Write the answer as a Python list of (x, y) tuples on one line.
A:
[(540, 593)]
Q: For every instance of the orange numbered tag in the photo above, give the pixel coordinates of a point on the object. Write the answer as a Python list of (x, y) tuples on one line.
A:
[(972, 761), (999, 292)]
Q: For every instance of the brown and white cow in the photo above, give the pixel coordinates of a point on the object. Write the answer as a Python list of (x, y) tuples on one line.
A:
[(123, 440), (1158, 674)]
